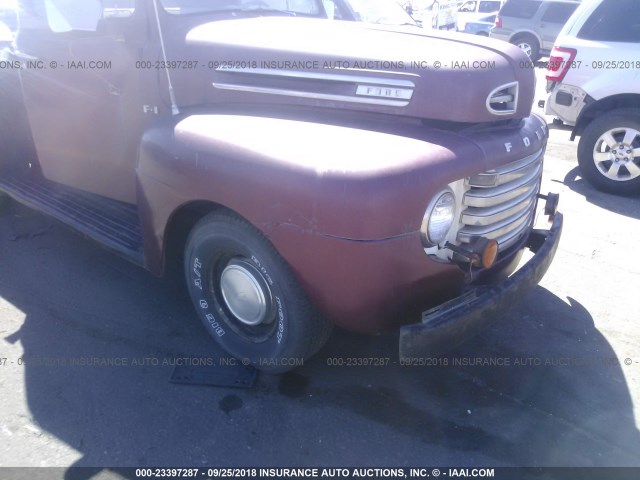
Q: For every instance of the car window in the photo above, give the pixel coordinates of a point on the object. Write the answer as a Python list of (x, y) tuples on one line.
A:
[(467, 7), (386, 12), (8, 13), (520, 8), (68, 16), (559, 12), (72, 15), (604, 23), (187, 7), (489, 6)]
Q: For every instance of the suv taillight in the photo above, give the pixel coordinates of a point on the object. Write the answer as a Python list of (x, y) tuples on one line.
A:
[(498, 22), (560, 62)]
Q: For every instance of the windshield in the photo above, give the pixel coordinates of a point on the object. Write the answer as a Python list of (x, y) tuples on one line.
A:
[(296, 7), (8, 18), (386, 12)]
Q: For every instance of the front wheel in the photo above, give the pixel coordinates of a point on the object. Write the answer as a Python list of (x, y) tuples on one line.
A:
[(247, 296), (609, 152)]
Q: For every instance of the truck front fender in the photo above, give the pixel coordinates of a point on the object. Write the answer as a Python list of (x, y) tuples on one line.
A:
[(342, 205), (329, 180)]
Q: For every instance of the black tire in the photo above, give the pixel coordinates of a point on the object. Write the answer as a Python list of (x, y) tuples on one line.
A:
[(597, 158), (271, 323), (529, 45)]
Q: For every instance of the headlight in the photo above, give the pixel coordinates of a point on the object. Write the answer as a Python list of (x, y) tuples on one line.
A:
[(438, 218)]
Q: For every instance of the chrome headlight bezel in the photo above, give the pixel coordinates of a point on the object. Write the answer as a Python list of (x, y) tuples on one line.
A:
[(428, 236)]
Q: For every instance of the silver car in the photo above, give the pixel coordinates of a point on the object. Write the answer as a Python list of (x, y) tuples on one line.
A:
[(532, 25)]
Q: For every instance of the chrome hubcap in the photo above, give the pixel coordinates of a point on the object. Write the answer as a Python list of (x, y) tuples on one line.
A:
[(617, 154), (245, 292)]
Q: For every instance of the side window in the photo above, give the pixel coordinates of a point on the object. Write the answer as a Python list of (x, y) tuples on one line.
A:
[(559, 12), (489, 6), (73, 15), (520, 8), (8, 14), (84, 15), (467, 7), (602, 26), (303, 7)]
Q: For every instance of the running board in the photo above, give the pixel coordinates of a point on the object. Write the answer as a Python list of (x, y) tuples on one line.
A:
[(110, 222)]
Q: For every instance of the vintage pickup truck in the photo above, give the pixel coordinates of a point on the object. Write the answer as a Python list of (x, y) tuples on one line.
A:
[(304, 172)]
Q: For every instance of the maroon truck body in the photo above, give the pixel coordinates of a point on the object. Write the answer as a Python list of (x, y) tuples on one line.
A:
[(329, 138)]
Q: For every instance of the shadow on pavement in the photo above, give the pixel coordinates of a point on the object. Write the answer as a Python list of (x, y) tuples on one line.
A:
[(80, 301), (627, 206)]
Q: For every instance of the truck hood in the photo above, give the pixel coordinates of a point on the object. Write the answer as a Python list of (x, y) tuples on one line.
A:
[(355, 66)]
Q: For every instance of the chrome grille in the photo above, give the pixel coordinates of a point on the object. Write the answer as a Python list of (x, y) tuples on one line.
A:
[(500, 204)]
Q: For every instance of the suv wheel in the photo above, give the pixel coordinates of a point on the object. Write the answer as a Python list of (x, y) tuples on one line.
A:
[(529, 45), (609, 152)]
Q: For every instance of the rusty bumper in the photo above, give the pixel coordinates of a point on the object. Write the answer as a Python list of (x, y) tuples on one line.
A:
[(450, 324)]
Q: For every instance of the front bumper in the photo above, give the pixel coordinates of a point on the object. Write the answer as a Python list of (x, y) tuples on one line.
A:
[(450, 324)]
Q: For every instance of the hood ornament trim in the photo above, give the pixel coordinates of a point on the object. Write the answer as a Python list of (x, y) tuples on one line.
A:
[(371, 90), (505, 97)]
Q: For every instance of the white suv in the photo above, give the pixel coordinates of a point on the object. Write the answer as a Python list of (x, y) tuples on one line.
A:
[(593, 81)]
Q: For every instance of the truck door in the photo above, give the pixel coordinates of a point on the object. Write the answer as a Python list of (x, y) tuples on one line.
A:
[(82, 91)]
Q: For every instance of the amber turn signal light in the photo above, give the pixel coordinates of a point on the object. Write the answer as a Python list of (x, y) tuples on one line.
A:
[(490, 254), (483, 252), (487, 252)]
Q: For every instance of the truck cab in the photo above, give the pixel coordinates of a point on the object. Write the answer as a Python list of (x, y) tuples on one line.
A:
[(303, 173)]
